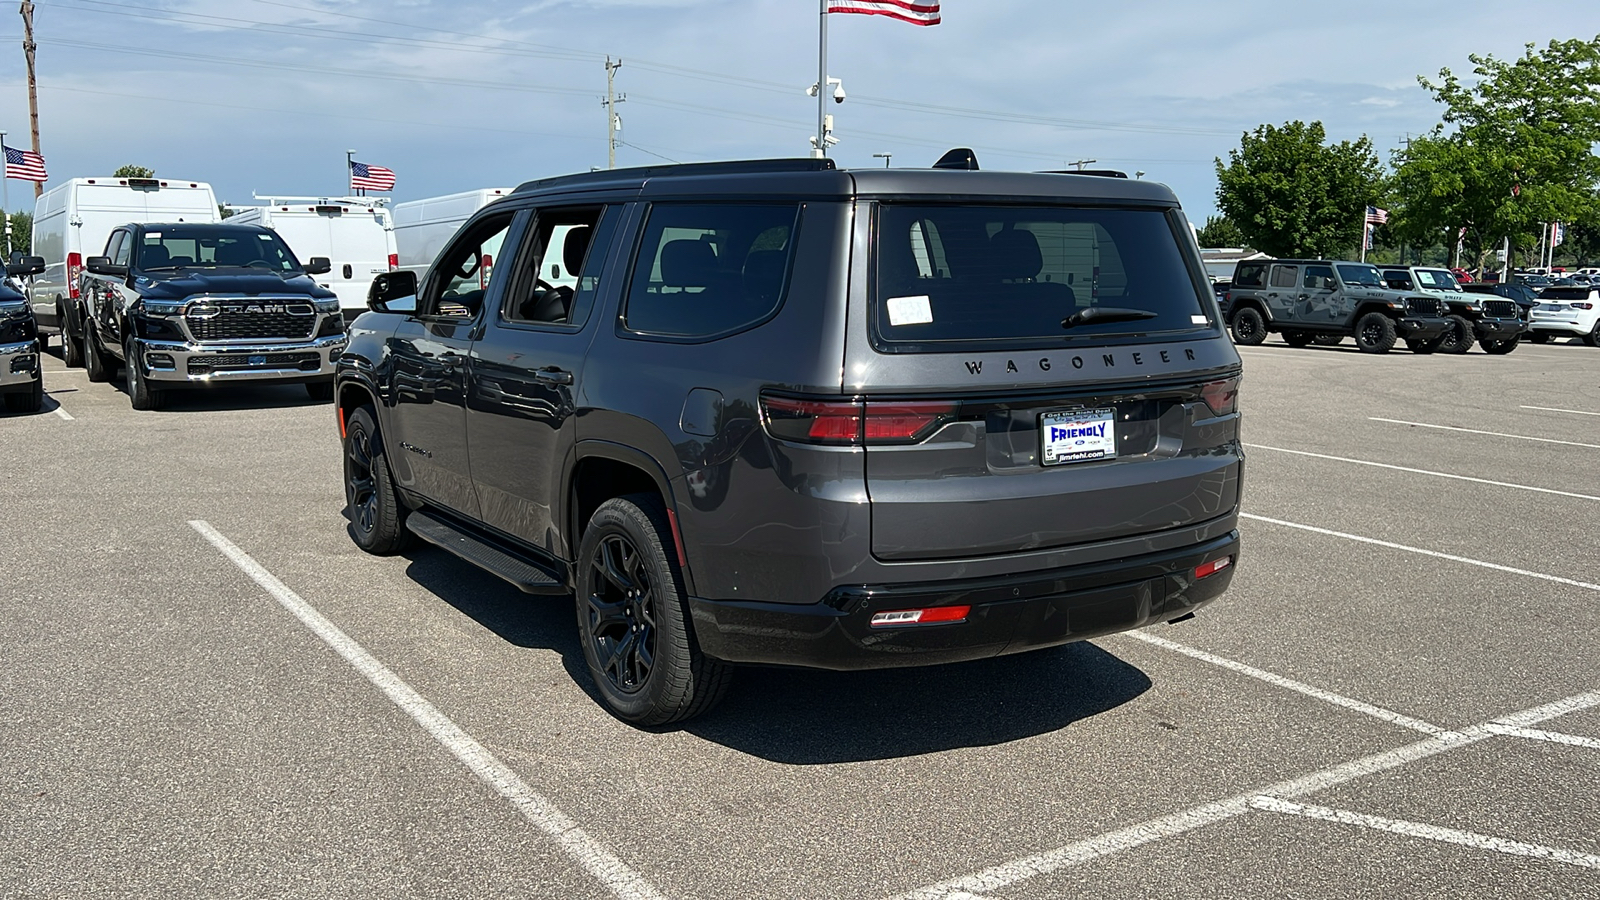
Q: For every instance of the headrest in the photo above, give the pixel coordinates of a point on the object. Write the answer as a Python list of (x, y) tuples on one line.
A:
[(763, 273), (687, 263), (153, 255), (573, 249), (1016, 253)]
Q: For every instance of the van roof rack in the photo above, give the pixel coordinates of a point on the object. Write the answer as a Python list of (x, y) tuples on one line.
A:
[(684, 170)]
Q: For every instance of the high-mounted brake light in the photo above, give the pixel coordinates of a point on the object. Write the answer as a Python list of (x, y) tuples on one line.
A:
[(1221, 396), (853, 421), (932, 616), (1212, 568)]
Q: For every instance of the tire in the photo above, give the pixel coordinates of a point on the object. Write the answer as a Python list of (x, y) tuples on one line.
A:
[(1248, 327), (1459, 338), (320, 391), (1500, 347), (1375, 333), (1424, 347), (141, 394), (1540, 337), (99, 364), (633, 621), (1593, 337), (71, 350), (377, 518), (1296, 338), (1328, 340), (29, 402)]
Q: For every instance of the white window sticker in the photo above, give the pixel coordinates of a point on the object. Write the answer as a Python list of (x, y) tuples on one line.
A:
[(910, 310), (1198, 320), (151, 237)]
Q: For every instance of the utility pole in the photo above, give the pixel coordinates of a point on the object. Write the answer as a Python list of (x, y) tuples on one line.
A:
[(28, 46), (1080, 163), (613, 121)]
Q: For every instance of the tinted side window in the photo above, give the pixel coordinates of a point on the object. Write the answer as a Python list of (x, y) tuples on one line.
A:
[(1249, 275), (463, 273), (118, 248), (1319, 278), (564, 255), (704, 270), (1285, 276)]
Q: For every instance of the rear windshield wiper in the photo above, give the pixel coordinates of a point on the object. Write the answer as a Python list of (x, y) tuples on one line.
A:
[(1106, 314)]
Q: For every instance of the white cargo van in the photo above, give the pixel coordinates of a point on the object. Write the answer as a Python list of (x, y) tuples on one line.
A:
[(71, 223), (423, 227), (355, 233)]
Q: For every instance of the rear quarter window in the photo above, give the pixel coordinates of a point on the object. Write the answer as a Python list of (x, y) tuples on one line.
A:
[(948, 276), (706, 270), (1250, 275)]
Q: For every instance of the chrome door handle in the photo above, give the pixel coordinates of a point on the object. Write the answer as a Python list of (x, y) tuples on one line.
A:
[(552, 376)]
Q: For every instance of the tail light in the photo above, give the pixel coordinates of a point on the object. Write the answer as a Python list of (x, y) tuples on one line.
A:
[(394, 262), (930, 616), (843, 422), (1583, 306), (74, 272), (1221, 396), (485, 267)]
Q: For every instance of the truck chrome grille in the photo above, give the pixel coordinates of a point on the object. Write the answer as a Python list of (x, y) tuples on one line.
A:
[(1500, 309), (248, 320), (203, 365)]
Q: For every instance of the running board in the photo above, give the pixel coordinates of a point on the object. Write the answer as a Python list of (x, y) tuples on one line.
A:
[(529, 576)]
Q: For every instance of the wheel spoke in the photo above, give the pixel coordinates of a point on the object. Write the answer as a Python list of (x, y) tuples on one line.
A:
[(613, 563), (618, 664), (605, 617)]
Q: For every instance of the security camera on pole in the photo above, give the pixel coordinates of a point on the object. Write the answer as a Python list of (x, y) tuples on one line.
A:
[(913, 11)]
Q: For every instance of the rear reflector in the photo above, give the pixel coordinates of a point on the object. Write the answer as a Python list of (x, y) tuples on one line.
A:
[(931, 616), (1212, 568)]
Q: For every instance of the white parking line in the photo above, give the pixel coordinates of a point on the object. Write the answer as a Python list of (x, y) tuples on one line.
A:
[(587, 852), (1434, 553), (1010, 873), (1514, 437), (1376, 712), (1553, 737), (1379, 465), (1429, 832), (1576, 412)]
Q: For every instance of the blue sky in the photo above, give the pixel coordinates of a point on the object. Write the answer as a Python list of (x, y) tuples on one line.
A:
[(266, 95)]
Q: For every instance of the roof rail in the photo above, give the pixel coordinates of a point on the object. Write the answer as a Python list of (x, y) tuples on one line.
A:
[(1100, 173), (279, 200), (684, 170)]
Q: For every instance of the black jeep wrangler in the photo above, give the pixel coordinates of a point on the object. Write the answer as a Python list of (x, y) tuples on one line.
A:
[(772, 412), (1324, 301), (21, 344)]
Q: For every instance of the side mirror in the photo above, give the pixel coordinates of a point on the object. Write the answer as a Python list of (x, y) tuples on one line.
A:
[(391, 287), (319, 265), (101, 265), (25, 265)]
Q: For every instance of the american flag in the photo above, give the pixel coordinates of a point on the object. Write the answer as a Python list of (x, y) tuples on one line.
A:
[(1558, 234), (25, 165), (1376, 216), (371, 178), (923, 13)]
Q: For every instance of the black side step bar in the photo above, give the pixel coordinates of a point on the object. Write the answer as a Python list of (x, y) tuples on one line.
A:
[(529, 576)]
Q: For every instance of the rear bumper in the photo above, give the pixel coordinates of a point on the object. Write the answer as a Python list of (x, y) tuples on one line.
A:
[(172, 365), (1559, 327), (1010, 613), (1421, 327), (19, 366)]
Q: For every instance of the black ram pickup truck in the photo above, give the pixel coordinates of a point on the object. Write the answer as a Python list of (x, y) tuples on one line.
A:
[(189, 305), (21, 379)]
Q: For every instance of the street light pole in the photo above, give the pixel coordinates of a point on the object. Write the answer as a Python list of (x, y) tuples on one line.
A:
[(821, 149)]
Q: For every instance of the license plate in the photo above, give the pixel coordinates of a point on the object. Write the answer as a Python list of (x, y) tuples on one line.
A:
[(1077, 435), (256, 360)]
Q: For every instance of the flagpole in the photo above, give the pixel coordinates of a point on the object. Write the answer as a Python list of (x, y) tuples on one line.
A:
[(822, 80), (5, 198), (1366, 233)]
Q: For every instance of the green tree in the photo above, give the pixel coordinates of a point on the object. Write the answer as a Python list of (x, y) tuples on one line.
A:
[(1292, 194), (1219, 231), (134, 172), (1515, 149), (21, 232)]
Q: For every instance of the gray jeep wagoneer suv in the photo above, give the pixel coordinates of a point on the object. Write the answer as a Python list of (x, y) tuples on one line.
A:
[(771, 412)]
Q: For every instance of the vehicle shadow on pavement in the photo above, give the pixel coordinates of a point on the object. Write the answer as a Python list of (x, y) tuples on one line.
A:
[(234, 397), (806, 717)]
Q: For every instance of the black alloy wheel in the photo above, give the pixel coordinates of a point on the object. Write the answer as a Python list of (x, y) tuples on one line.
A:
[(1459, 338), (1248, 327), (633, 621), (1375, 333), (1593, 337), (141, 395), (377, 518)]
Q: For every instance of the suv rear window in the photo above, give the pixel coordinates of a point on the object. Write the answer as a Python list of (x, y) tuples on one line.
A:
[(709, 270), (964, 274), (1249, 274)]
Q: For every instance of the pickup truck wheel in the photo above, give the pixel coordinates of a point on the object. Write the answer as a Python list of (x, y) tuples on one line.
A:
[(377, 519), (71, 350), (1296, 338), (633, 622), (1248, 327), (140, 393), (30, 402), (1500, 347), (1459, 338), (1375, 333), (320, 391), (96, 362), (1328, 340)]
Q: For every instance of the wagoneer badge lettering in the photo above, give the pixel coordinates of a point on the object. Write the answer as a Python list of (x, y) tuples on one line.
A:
[(1107, 361)]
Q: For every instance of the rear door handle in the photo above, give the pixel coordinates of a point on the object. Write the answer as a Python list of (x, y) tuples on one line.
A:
[(552, 375)]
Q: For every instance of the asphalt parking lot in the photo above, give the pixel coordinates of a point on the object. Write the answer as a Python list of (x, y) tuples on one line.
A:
[(206, 690)]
